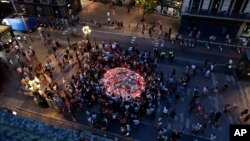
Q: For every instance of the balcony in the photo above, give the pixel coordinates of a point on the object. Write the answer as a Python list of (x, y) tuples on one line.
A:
[(218, 15)]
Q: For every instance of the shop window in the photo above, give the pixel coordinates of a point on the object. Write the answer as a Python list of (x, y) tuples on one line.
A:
[(36, 1), (246, 31), (52, 1), (22, 7), (44, 1), (39, 10), (28, 1), (61, 2)]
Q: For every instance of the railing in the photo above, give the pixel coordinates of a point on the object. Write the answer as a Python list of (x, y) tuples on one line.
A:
[(66, 124)]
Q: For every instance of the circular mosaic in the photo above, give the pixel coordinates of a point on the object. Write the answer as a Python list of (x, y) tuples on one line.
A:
[(123, 82)]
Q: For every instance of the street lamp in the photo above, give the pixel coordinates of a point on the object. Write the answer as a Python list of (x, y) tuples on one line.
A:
[(86, 30)]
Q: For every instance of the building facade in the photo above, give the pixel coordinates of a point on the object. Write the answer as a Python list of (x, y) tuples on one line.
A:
[(55, 8), (5, 9), (216, 17)]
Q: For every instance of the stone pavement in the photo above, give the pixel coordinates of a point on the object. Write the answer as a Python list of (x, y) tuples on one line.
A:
[(14, 100), (98, 11), (238, 92), (183, 118), (132, 21)]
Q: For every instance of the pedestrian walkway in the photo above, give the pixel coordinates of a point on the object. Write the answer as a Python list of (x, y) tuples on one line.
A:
[(147, 130), (212, 102), (132, 20), (98, 11)]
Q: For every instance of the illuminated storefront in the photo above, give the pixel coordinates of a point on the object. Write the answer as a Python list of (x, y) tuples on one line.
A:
[(55, 8), (6, 36), (246, 31)]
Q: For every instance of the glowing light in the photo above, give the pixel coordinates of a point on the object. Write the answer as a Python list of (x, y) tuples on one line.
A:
[(34, 84), (14, 113), (86, 30), (123, 82)]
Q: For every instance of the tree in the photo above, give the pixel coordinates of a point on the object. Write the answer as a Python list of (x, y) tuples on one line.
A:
[(147, 5)]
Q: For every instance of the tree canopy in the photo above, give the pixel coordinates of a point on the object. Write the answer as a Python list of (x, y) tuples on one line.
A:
[(148, 5)]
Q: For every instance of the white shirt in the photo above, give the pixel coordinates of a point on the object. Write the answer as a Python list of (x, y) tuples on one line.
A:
[(11, 62), (17, 56), (212, 67), (165, 110), (193, 67), (205, 90), (17, 47)]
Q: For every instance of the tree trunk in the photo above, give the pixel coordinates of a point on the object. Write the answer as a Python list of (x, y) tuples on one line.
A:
[(143, 15)]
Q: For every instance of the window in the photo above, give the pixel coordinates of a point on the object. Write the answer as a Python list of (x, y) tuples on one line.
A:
[(236, 5), (28, 1), (53, 1), (195, 5), (246, 31), (216, 5), (36, 1), (44, 1), (61, 1), (244, 6)]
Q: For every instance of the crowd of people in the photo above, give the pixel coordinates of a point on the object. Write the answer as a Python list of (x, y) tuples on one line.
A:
[(85, 89)]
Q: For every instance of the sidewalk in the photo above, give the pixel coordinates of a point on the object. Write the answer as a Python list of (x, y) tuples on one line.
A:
[(98, 12), (24, 105), (14, 100)]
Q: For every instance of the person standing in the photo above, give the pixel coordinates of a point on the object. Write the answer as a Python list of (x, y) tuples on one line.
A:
[(25, 39), (165, 111), (17, 48), (207, 74), (243, 113), (174, 72), (171, 56), (206, 63), (205, 90), (18, 58), (212, 137), (172, 114)]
